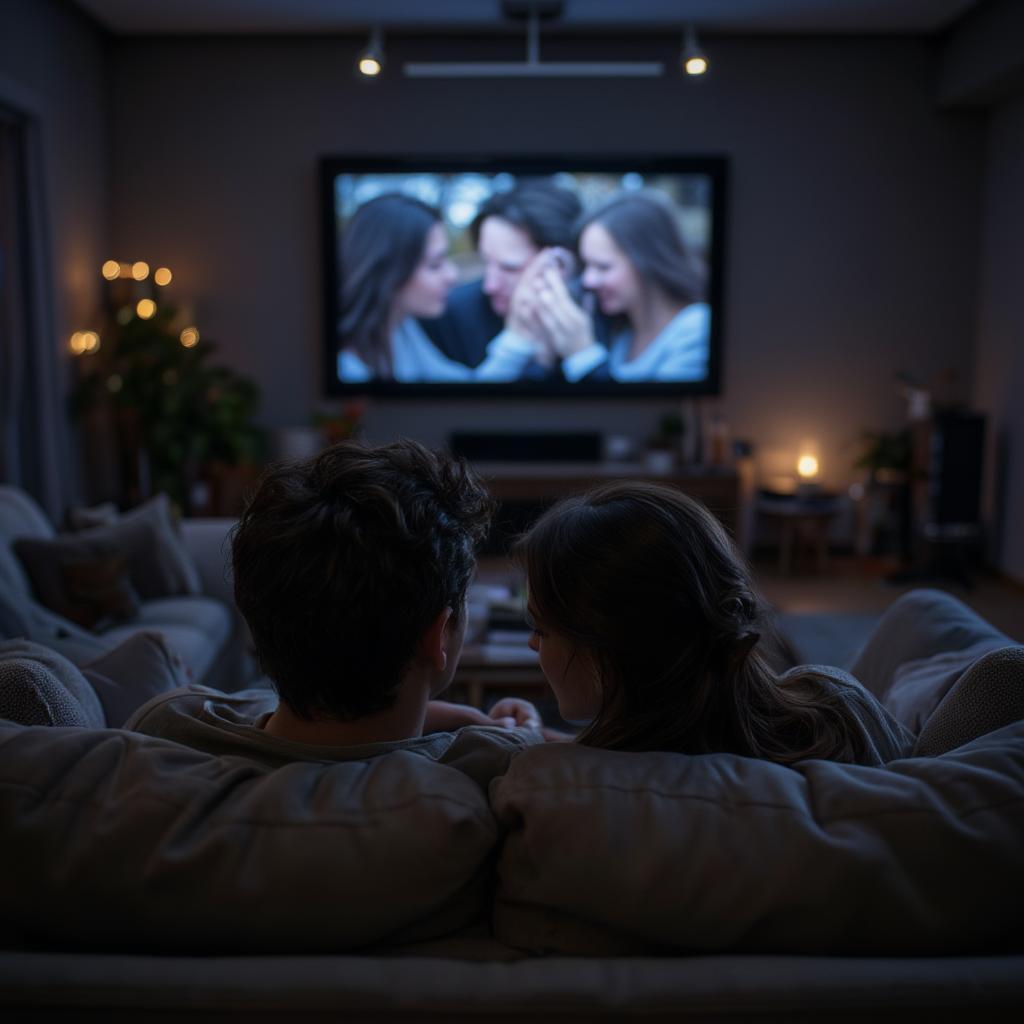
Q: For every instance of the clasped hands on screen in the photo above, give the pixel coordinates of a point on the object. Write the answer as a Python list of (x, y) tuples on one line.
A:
[(543, 311)]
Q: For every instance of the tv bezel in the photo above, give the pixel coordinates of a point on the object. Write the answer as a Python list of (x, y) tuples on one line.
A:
[(715, 167)]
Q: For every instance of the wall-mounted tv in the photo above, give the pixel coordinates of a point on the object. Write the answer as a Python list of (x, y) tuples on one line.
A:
[(539, 277)]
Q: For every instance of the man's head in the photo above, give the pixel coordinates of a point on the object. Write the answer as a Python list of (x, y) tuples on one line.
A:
[(512, 227), (345, 561)]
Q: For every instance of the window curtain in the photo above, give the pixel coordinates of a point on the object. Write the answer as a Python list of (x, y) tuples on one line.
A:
[(34, 437)]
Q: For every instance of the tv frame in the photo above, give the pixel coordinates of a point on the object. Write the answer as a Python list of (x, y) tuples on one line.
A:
[(716, 167)]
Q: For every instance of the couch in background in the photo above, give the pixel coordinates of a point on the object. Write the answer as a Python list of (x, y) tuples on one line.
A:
[(149, 881), (180, 576)]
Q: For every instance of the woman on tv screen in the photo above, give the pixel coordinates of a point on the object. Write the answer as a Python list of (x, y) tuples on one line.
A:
[(395, 254), (637, 266)]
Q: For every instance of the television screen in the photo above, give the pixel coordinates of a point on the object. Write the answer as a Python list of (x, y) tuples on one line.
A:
[(530, 278)]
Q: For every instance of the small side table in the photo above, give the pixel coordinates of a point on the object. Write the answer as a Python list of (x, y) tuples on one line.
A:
[(803, 521)]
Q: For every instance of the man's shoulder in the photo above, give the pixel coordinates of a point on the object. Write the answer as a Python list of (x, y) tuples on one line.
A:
[(483, 752)]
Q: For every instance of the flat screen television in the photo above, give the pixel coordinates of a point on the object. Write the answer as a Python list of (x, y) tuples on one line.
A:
[(530, 278)]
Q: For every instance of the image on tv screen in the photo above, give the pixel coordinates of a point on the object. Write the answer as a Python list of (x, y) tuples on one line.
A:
[(595, 279)]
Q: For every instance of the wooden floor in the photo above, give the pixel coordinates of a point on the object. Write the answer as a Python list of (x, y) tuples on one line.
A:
[(853, 584)]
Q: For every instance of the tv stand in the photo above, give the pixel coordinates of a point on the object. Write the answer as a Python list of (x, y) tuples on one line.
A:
[(524, 489)]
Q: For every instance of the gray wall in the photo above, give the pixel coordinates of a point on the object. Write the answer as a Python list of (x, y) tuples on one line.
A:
[(853, 229), (999, 380), (53, 66)]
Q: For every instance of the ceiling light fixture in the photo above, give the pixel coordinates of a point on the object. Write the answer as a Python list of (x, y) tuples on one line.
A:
[(693, 59), (533, 66), (371, 60)]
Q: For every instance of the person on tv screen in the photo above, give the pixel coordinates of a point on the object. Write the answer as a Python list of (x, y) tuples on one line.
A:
[(516, 233), (395, 269), (638, 267)]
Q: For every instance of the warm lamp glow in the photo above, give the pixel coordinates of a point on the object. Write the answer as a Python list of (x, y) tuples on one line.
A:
[(162, 276), (190, 337), (807, 466), (76, 344), (91, 341), (111, 270), (146, 309), (140, 270), (369, 66), (696, 66)]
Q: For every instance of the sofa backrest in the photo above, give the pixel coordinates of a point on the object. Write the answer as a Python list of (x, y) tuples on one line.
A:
[(611, 852), (20, 516), (117, 841)]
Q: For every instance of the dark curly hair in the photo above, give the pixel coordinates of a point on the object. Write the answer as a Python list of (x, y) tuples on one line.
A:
[(343, 560)]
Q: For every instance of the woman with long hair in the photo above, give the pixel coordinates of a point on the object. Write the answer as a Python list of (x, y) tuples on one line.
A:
[(637, 266), (395, 271), (648, 629)]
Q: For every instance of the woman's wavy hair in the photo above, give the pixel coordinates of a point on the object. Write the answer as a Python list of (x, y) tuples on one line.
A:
[(380, 248), (644, 227), (648, 587)]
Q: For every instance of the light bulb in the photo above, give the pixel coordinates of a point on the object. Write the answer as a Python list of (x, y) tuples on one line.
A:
[(371, 61), (111, 270), (140, 270), (162, 276), (146, 309)]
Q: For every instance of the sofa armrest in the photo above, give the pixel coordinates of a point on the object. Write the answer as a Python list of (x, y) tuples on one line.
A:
[(207, 541)]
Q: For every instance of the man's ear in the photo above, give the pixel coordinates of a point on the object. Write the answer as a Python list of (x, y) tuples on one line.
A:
[(433, 646)]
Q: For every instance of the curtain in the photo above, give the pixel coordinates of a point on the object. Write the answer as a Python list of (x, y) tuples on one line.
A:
[(34, 438)]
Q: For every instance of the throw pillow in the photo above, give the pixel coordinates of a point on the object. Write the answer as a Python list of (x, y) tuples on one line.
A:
[(176, 561), (40, 687), (127, 676), (157, 511), (98, 591)]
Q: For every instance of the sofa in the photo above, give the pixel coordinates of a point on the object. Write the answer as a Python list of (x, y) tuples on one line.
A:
[(177, 569), (146, 881)]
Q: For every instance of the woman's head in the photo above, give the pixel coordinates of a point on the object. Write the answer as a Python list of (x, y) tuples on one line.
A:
[(647, 613), (631, 245), (394, 260)]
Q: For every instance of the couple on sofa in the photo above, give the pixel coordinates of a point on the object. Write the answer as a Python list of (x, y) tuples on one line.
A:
[(351, 569)]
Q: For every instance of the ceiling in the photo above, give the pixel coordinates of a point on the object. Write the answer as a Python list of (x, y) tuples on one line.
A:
[(197, 17)]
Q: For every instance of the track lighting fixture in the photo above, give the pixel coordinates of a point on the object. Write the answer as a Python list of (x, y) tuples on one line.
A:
[(371, 60), (693, 60)]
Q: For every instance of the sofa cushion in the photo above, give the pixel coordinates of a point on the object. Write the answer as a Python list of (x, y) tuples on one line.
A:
[(114, 840), (721, 852), (140, 667), (196, 628), (915, 627), (919, 686), (20, 516), (987, 696), (158, 512), (157, 563), (40, 687)]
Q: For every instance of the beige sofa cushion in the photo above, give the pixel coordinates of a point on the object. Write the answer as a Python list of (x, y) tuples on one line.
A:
[(114, 840), (610, 851)]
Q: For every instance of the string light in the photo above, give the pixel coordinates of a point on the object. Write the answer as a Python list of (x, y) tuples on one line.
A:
[(111, 270), (190, 337), (162, 276), (146, 309), (140, 270)]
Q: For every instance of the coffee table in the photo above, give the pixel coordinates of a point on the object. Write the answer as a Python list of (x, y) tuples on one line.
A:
[(512, 669)]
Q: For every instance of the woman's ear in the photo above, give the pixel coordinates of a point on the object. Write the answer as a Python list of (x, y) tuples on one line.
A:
[(433, 645)]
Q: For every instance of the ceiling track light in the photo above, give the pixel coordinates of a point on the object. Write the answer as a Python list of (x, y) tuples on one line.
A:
[(533, 66), (371, 61), (693, 59)]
